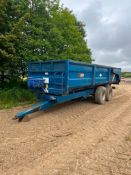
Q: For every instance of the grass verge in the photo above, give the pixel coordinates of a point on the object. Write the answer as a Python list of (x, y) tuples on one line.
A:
[(15, 97), (126, 74)]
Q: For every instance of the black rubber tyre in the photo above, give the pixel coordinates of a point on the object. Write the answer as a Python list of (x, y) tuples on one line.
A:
[(108, 93), (100, 95)]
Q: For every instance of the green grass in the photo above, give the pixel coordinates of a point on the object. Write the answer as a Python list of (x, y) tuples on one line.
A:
[(126, 74), (15, 97)]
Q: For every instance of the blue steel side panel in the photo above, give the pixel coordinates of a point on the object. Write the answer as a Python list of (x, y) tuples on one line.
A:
[(101, 75), (57, 79), (80, 75), (55, 71), (66, 76), (83, 75)]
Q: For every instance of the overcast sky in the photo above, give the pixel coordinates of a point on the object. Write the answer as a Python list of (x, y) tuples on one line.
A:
[(108, 26)]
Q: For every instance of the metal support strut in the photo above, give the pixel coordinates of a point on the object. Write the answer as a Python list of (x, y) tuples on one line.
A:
[(50, 101)]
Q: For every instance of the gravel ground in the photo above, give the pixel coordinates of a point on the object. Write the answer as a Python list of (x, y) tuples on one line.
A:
[(75, 138)]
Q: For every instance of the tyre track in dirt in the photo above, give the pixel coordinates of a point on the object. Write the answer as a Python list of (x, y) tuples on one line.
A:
[(66, 160)]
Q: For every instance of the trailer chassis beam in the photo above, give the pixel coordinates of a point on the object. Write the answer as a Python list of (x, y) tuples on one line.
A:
[(50, 101)]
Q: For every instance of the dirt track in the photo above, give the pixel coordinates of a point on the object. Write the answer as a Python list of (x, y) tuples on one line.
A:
[(76, 138)]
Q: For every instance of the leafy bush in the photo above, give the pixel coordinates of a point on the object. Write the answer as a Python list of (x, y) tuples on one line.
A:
[(15, 97)]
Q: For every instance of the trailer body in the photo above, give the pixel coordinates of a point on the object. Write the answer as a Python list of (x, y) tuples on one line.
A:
[(64, 77), (57, 81)]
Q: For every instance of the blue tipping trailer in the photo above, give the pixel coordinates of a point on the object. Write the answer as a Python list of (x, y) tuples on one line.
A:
[(58, 81)]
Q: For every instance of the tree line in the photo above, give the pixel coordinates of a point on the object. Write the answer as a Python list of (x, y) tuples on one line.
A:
[(37, 30)]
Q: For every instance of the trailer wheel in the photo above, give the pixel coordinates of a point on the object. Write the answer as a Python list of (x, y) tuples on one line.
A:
[(100, 95), (108, 93)]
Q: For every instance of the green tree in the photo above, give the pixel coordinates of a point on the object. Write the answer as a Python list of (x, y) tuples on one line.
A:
[(67, 37), (7, 40), (54, 33), (12, 16), (38, 30)]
